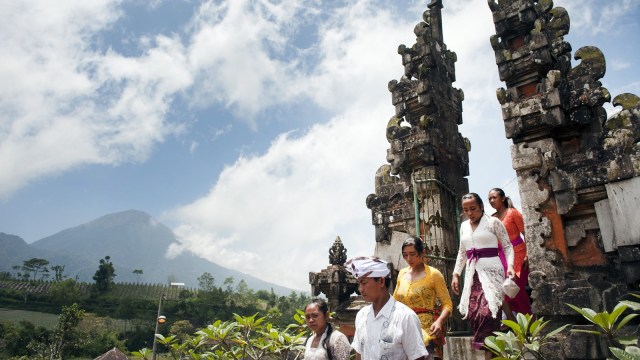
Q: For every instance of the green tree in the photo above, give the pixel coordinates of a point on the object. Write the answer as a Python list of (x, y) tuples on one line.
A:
[(138, 273), (17, 340), (228, 282), (182, 329), (16, 269), (66, 337), (35, 265), (127, 310), (104, 275), (65, 292), (206, 282), (58, 272)]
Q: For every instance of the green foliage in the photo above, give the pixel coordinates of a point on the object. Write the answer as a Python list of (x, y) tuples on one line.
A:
[(628, 353), (65, 338), (206, 282), (59, 272), (611, 327), (524, 339), (143, 353), (34, 266), (104, 276), (248, 337), (65, 292), (19, 339), (182, 329), (123, 316)]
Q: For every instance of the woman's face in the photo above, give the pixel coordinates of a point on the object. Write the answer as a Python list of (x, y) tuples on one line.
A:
[(315, 319), (495, 200), (411, 255), (472, 210)]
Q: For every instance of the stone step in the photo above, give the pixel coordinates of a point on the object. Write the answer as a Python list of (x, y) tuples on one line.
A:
[(459, 348)]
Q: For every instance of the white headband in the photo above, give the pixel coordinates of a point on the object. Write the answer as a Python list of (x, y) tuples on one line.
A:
[(367, 266)]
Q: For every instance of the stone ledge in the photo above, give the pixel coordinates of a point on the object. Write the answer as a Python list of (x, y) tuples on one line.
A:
[(459, 348)]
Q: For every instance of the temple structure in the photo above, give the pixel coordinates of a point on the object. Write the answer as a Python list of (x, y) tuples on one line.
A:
[(417, 192), (577, 170)]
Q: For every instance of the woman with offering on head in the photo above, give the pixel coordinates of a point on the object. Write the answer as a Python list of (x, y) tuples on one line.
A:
[(514, 223), (482, 294), (419, 286), (325, 343)]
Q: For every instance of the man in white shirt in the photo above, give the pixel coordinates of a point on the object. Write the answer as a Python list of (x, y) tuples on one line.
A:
[(385, 329)]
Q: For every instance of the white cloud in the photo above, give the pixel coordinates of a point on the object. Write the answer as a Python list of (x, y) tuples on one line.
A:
[(63, 104), (217, 133), (283, 209), (276, 214), (238, 52), (619, 64), (596, 17), (309, 188)]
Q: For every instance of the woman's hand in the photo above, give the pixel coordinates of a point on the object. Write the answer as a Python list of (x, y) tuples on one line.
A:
[(455, 284), (435, 329), (511, 272)]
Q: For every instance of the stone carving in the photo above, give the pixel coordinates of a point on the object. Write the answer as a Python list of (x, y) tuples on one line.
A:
[(566, 153), (418, 191), (337, 253), (337, 284)]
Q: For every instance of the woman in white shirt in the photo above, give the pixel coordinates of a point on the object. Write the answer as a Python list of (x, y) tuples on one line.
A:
[(325, 342), (482, 295)]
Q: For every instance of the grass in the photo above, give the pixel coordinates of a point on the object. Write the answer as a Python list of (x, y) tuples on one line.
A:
[(46, 320)]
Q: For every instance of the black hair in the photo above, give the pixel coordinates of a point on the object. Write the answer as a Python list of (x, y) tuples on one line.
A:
[(324, 308), (414, 241), (387, 280), (476, 197), (507, 200)]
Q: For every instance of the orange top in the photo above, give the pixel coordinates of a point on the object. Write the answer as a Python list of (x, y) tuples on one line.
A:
[(514, 223)]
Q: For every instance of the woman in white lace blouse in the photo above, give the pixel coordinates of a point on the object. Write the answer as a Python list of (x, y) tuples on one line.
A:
[(482, 295), (325, 343)]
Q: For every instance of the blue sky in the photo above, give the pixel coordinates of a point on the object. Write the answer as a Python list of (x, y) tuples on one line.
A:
[(252, 128)]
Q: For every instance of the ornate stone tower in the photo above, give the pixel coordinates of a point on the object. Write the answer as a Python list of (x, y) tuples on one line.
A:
[(577, 170), (337, 284), (418, 192)]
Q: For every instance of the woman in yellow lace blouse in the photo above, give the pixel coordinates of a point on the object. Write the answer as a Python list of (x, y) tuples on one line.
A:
[(418, 287)]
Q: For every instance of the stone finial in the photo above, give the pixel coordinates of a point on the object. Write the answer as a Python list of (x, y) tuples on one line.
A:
[(337, 253)]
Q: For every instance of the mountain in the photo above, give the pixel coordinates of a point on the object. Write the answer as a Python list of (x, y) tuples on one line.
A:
[(133, 240), (14, 250)]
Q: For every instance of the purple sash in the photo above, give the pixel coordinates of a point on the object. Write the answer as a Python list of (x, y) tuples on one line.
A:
[(481, 253), (517, 241)]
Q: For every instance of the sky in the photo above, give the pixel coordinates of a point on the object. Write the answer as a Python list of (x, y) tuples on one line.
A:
[(252, 128)]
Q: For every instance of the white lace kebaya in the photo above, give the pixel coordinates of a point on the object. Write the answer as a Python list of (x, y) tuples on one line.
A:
[(340, 347), (491, 274)]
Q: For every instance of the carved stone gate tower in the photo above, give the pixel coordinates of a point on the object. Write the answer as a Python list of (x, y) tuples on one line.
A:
[(577, 170), (418, 192)]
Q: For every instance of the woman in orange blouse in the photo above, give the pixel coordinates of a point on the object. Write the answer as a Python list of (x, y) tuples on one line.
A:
[(419, 286), (513, 221)]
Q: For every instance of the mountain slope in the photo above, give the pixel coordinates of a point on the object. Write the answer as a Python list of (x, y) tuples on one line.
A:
[(133, 240), (14, 251)]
